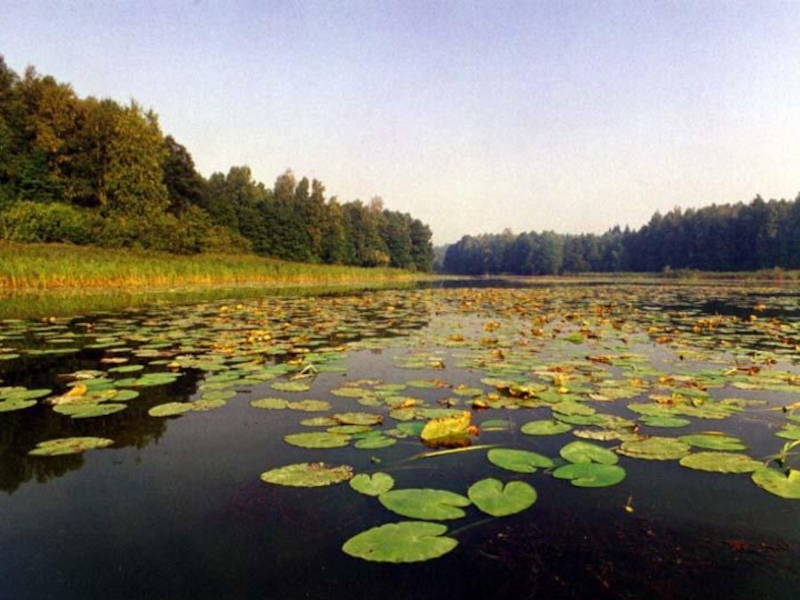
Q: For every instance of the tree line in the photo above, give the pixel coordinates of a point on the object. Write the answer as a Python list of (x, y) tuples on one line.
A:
[(96, 172), (730, 237)]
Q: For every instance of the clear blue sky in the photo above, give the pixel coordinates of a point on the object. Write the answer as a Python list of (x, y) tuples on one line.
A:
[(471, 115)]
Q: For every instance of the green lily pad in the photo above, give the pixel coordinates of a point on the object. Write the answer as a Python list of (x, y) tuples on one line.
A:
[(411, 429), (358, 418), (11, 405), (316, 474), (204, 405), (291, 386), (721, 462), (70, 445), (404, 542), (351, 429), (655, 448), (790, 432), (590, 474), (585, 452), (491, 497), (270, 403), (170, 409), (88, 411), (317, 440), (375, 442), (785, 485), (519, 461), (666, 422), (714, 441), (545, 427), (310, 405), (372, 485), (318, 422), (427, 504), (573, 409)]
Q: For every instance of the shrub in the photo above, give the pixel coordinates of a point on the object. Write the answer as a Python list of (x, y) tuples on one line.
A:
[(31, 222)]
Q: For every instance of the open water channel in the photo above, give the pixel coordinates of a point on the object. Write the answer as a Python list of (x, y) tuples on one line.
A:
[(688, 391)]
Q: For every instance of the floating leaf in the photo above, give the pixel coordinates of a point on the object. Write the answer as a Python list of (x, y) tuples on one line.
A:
[(88, 411), (308, 475), (358, 418), (404, 542), (519, 461), (310, 405), (714, 441), (11, 405), (790, 432), (372, 485), (721, 462), (585, 452), (270, 403), (785, 485), (573, 409), (655, 448), (317, 440), (427, 504), (591, 474), (375, 442), (491, 497), (546, 427), (70, 445), (170, 409), (667, 422), (291, 386)]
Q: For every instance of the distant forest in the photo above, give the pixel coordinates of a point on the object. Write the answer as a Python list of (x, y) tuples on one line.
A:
[(730, 237), (94, 172)]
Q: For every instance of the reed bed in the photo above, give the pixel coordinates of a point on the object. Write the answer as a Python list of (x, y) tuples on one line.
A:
[(32, 267)]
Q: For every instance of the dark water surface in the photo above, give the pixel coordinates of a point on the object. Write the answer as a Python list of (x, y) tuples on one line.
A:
[(175, 508)]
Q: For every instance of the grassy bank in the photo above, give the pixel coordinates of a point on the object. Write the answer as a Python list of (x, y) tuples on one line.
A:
[(31, 267)]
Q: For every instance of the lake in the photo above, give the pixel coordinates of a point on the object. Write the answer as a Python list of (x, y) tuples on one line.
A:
[(683, 400)]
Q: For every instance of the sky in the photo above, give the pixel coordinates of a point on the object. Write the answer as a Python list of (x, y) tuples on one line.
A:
[(473, 116)]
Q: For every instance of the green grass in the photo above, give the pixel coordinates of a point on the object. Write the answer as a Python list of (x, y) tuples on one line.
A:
[(53, 267)]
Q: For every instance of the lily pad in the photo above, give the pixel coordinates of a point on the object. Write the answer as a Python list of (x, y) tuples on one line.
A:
[(11, 405), (666, 422), (427, 504), (310, 405), (270, 403), (375, 442), (70, 445), (316, 474), (317, 440), (291, 386), (519, 461), (372, 485), (785, 485), (88, 411), (714, 441), (545, 427), (170, 409), (721, 462), (590, 474), (585, 452), (655, 448), (491, 497), (404, 542), (358, 418)]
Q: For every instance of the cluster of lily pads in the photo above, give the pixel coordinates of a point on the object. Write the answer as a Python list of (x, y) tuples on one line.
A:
[(606, 365)]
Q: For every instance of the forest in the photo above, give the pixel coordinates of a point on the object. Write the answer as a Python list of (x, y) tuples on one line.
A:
[(729, 237), (90, 171)]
